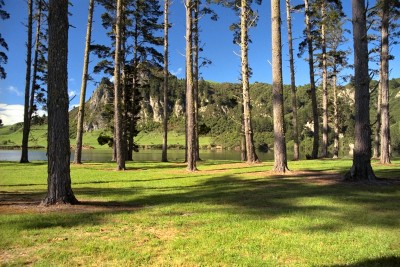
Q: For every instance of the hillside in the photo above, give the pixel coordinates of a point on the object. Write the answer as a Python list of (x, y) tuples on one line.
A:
[(219, 116)]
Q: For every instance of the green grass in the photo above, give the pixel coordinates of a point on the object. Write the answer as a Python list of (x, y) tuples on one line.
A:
[(226, 214)]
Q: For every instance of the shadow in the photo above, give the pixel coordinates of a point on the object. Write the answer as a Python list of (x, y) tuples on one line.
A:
[(393, 261), (261, 195)]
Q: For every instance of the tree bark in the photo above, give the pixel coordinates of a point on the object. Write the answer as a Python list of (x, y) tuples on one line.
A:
[(118, 139), (81, 111), (335, 113), (361, 168), (27, 123), (164, 156), (59, 189), (296, 145), (280, 159), (385, 128), (196, 76), (377, 134), (244, 39), (312, 83), (190, 112), (324, 151)]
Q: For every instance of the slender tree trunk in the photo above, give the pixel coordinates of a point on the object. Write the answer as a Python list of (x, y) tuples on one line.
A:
[(35, 64), (312, 82), (377, 134), (335, 114), (248, 131), (164, 157), (118, 138), (324, 152), (361, 169), (81, 111), (296, 146), (385, 130), (27, 123), (190, 112), (196, 75), (280, 159), (59, 189)]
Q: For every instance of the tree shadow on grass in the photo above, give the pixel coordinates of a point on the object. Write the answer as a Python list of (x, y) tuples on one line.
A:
[(392, 261), (312, 194)]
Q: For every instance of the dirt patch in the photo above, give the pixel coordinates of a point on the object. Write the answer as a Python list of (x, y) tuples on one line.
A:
[(19, 204)]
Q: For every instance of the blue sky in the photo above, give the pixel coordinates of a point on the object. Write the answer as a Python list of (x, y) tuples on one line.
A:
[(217, 39)]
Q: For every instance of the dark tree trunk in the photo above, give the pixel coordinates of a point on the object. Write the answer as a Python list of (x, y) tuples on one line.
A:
[(280, 159), (385, 127), (313, 92), (296, 145), (164, 157), (361, 169), (118, 97), (81, 111), (190, 106), (59, 189), (244, 39), (27, 122)]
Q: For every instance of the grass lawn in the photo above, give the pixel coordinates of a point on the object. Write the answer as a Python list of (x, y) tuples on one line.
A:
[(226, 214)]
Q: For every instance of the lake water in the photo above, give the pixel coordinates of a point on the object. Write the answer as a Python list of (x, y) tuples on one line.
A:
[(105, 155)]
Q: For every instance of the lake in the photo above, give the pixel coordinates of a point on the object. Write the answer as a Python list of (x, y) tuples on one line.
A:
[(105, 155)]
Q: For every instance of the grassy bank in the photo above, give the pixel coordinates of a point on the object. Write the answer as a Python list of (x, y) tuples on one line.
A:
[(226, 214), (11, 136)]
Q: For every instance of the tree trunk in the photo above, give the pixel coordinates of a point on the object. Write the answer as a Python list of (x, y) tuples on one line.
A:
[(59, 189), (324, 152), (81, 111), (280, 159), (361, 169), (27, 123), (196, 76), (312, 82), (244, 39), (296, 145), (377, 133), (190, 112), (118, 138), (335, 114), (164, 157), (385, 129)]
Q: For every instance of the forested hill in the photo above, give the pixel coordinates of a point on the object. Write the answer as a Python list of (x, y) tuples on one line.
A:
[(220, 110)]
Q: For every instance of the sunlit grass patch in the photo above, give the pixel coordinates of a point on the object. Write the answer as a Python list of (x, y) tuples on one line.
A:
[(226, 214)]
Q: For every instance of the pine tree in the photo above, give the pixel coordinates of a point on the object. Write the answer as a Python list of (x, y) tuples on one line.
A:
[(164, 157), (25, 135), (81, 111), (361, 168), (280, 158), (190, 112), (296, 145), (3, 44), (59, 189)]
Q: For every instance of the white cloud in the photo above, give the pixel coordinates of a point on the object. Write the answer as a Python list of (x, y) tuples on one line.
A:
[(177, 72), (72, 93), (13, 89), (11, 114), (111, 79)]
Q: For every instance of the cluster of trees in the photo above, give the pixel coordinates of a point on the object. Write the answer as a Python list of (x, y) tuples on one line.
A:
[(134, 27)]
